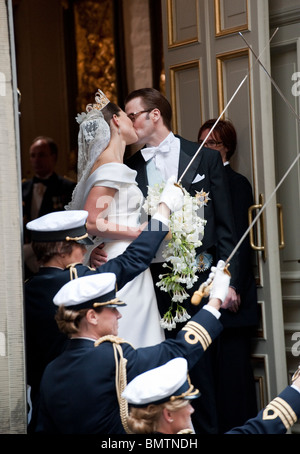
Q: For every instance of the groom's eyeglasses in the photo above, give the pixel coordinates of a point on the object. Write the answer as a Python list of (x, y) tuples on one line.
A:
[(133, 116)]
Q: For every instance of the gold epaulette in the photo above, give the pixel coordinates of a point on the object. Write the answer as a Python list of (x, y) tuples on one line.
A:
[(279, 408), (197, 333)]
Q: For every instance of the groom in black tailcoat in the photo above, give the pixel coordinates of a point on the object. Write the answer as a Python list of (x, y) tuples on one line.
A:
[(166, 154)]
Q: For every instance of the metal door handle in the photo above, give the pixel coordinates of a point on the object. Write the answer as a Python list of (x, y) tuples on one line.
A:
[(251, 210), (281, 231)]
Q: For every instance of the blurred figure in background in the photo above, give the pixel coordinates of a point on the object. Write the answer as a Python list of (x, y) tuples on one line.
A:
[(235, 387), (44, 193)]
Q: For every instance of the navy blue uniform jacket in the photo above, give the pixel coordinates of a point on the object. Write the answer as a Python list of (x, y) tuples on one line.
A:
[(280, 415), (78, 393), (44, 341)]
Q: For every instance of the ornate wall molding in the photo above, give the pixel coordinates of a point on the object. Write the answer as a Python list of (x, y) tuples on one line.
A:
[(96, 62)]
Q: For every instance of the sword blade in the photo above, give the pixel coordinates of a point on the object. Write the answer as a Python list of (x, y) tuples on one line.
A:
[(290, 167), (263, 208), (271, 79), (227, 105)]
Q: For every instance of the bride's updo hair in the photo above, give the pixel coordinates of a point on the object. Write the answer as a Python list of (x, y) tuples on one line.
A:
[(110, 110)]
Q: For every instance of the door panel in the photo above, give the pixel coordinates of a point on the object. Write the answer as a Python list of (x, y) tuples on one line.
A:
[(186, 94), (232, 67)]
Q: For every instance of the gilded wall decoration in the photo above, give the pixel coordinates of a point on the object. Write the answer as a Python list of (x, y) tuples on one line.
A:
[(94, 35)]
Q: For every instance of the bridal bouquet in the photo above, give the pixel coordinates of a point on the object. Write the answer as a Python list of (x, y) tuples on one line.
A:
[(186, 229)]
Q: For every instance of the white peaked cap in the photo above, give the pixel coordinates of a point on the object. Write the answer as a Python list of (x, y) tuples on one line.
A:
[(67, 225), (90, 291), (167, 382)]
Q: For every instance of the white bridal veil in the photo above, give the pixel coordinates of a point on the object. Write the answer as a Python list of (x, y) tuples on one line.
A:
[(93, 138)]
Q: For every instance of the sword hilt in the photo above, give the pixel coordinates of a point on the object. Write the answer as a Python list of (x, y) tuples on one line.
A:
[(205, 288)]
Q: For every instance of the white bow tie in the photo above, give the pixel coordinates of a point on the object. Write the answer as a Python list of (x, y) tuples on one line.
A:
[(149, 152)]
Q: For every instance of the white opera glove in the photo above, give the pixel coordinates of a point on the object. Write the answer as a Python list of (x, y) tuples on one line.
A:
[(220, 281), (172, 195)]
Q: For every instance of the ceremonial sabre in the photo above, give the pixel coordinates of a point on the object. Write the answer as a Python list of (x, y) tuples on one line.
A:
[(272, 80), (291, 166), (226, 107)]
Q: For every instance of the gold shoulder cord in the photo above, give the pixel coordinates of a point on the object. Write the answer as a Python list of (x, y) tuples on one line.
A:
[(73, 271), (121, 375)]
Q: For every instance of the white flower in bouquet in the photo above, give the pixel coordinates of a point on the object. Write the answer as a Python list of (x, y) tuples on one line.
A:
[(151, 202), (186, 227)]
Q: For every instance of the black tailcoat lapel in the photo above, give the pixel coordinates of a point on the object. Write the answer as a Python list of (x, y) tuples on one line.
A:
[(187, 153)]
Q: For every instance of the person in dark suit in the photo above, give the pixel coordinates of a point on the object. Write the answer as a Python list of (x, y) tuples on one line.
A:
[(45, 192), (167, 154), (81, 390), (58, 241), (235, 388)]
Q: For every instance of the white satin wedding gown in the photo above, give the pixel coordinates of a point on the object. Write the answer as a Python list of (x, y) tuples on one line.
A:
[(139, 324)]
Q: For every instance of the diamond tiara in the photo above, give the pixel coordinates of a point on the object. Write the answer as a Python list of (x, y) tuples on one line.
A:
[(101, 101)]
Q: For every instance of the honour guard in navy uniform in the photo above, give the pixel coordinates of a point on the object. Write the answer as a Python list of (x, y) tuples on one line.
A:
[(59, 240), (161, 400), (81, 390)]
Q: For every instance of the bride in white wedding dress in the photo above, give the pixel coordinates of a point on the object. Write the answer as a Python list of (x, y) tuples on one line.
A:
[(108, 191)]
